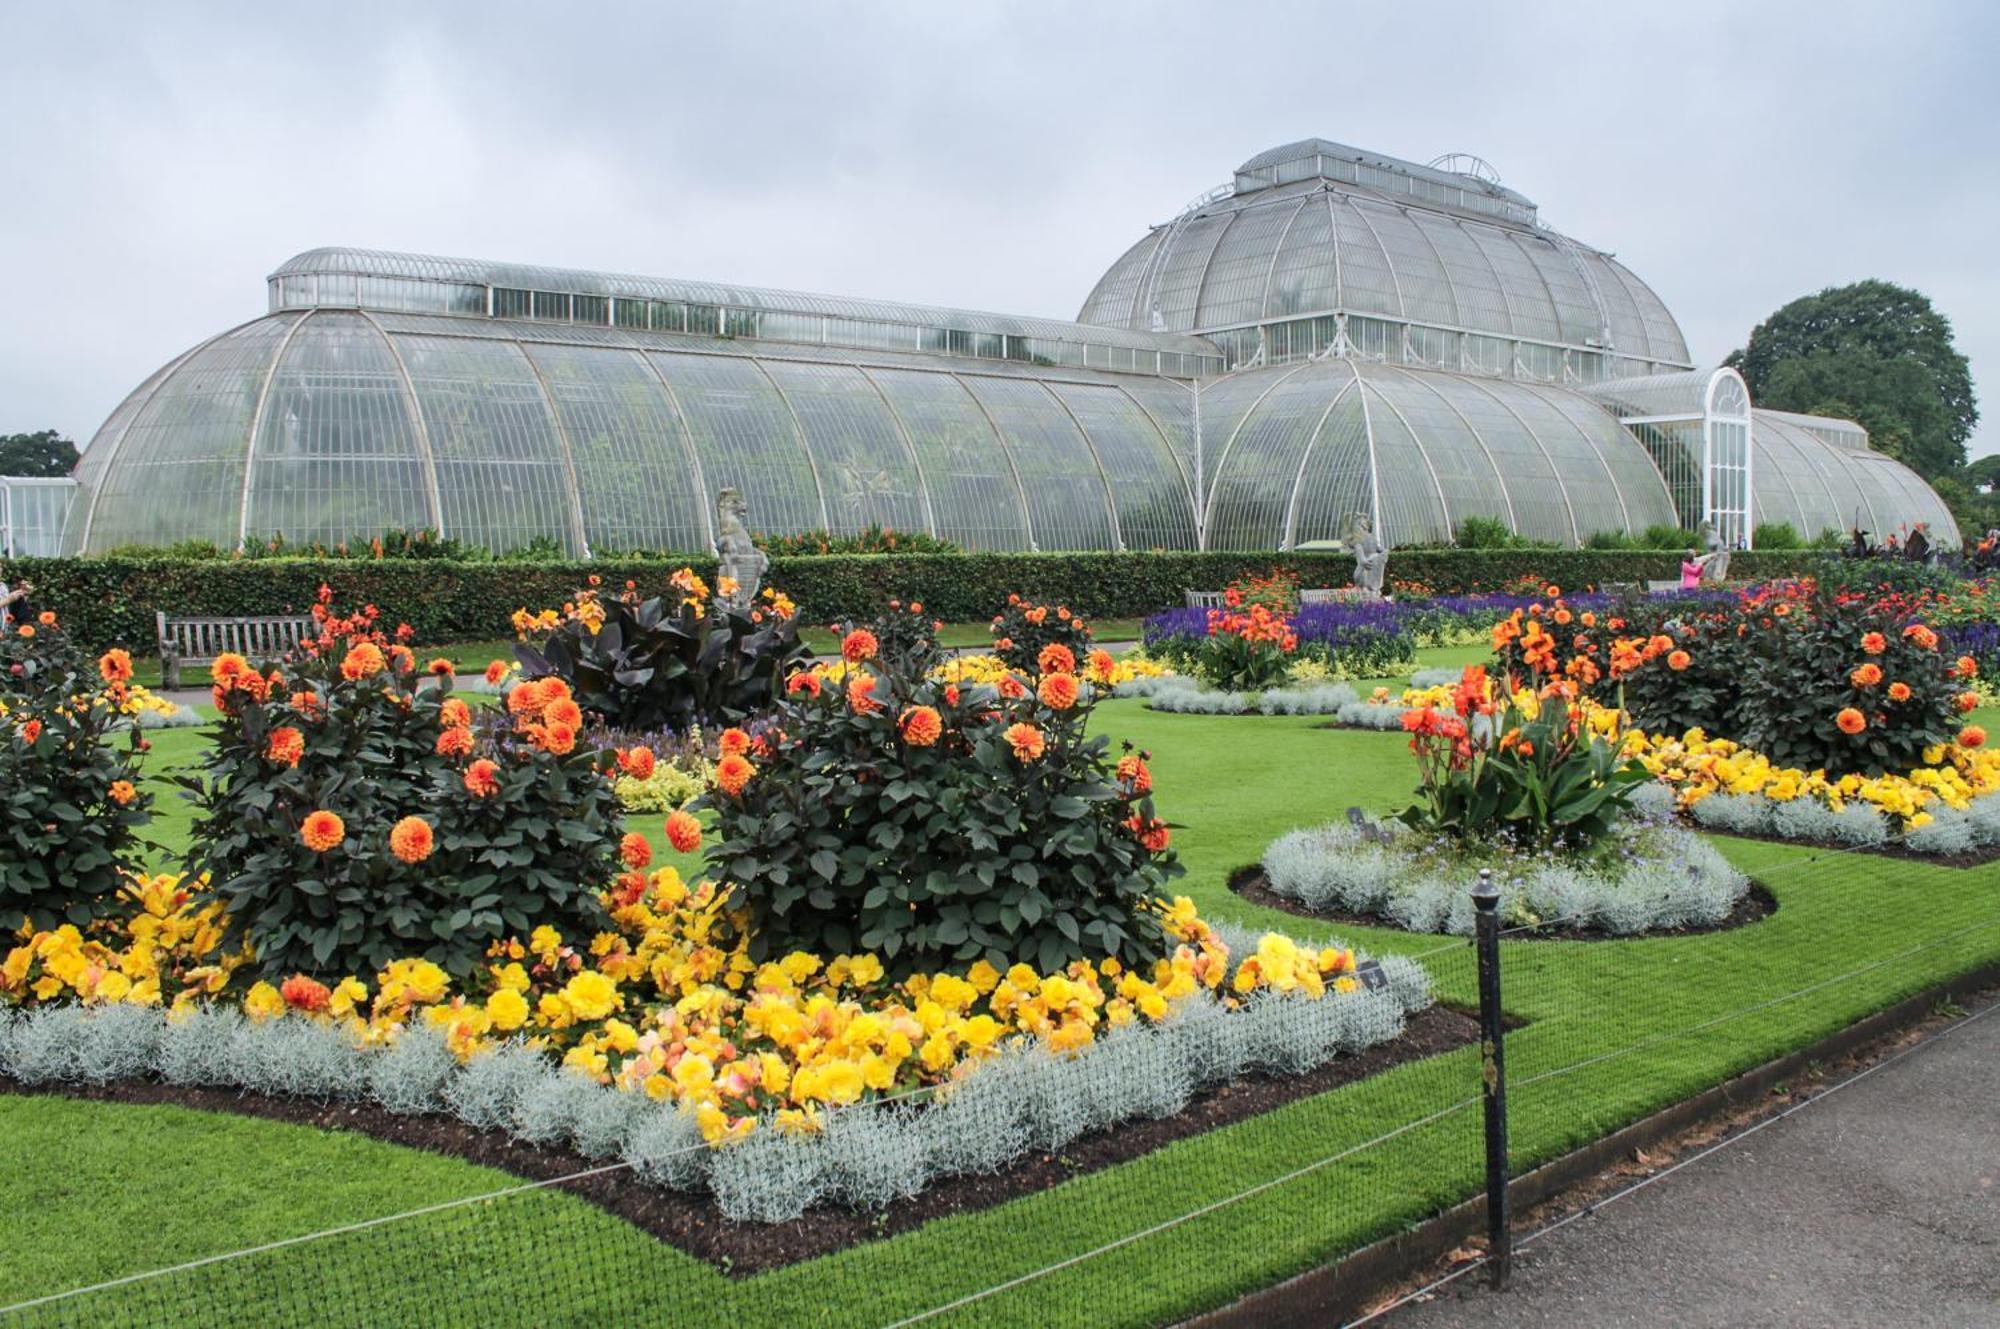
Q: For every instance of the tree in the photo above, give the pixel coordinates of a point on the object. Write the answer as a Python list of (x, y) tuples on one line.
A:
[(42, 454), (1873, 352)]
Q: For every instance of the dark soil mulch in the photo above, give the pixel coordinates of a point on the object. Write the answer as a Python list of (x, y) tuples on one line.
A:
[(691, 1222), (1756, 905)]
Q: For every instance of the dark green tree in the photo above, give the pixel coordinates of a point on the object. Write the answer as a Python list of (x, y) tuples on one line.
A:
[(1873, 352), (46, 453)]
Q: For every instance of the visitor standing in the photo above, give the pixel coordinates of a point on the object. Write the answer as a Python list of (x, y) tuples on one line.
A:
[(1691, 566), (13, 602)]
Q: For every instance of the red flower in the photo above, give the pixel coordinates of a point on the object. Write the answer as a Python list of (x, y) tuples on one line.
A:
[(305, 994)]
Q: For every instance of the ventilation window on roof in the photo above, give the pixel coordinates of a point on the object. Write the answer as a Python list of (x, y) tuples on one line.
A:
[(510, 303)]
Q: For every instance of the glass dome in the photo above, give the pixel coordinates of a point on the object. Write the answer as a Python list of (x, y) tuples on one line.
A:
[(1819, 475), (1316, 228)]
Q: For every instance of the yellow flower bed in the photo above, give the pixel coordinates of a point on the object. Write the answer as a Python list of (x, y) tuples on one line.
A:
[(669, 1003), (1696, 766), (1100, 667)]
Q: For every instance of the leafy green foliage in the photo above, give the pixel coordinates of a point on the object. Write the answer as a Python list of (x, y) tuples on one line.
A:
[(1489, 771), (906, 638), (532, 849), (1776, 535), (1023, 629), (1874, 352), (873, 540), (1492, 533), (670, 661), (72, 804), (855, 834), (42, 454)]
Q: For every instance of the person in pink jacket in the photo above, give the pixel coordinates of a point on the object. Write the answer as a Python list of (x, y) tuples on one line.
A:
[(1691, 567)]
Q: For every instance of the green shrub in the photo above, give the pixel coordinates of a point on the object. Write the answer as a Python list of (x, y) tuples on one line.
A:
[(524, 826), (918, 820), (1776, 535), (1023, 629), (72, 804), (906, 638), (875, 540), (670, 661)]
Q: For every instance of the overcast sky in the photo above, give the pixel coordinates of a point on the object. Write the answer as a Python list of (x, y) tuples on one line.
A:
[(162, 159)]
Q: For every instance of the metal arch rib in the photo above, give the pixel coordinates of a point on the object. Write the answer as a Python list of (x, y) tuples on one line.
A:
[(416, 421), (1208, 264), (1374, 469), (1271, 270), (1333, 234), (909, 446), (562, 440), (798, 432), (1514, 239), (257, 425), (703, 502), (1110, 496), (1506, 495), (1575, 532), (1229, 445), (1389, 264), (1191, 488), (1007, 451), (1457, 305), (1558, 404), (1572, 251), (158, 380), (1423, 453), (1305, 458)]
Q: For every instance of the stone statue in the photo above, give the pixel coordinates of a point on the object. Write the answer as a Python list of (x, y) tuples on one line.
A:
[(1715, 559), (1371, 556), (737, 557)]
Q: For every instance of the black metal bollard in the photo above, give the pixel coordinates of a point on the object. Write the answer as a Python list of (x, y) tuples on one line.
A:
[(1493, 1078)]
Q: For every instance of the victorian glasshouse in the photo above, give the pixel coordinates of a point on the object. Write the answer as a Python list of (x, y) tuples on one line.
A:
[(1333, 332)]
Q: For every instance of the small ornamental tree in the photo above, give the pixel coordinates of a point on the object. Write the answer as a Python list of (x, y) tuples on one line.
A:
[(352, 813), (668, 661), (938, 825), (1022, 630), (72, 801)]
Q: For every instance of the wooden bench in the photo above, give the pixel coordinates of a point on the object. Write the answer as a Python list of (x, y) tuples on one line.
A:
[(197, 642), (1207, 599), (1330, 595)]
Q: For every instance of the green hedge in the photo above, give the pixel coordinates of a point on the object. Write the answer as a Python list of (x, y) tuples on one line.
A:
[(110, 601)]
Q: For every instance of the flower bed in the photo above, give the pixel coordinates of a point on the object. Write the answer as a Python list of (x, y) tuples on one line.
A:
[(1647, 877), (1186, 696), (679, 1048)]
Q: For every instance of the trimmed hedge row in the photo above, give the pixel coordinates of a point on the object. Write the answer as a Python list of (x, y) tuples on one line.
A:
[(111, 601)]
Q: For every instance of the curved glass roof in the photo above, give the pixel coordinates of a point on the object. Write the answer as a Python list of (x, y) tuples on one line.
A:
[(1293, 452), (288, 292), (1357, 233), (327, 425), (1804, 477)]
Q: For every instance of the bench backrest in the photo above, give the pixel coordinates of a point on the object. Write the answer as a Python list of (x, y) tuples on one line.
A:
[(1206, 599), (1323, 595), (200, 640)]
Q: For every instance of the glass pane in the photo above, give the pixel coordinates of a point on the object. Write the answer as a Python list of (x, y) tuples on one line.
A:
[(975, 499), (1069, 500), (745, 438), (865, 466)]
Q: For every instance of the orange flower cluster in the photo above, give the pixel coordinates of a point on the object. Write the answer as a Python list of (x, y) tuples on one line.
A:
[(546, 714), (1261, 624), (236, 681), (285, 746)]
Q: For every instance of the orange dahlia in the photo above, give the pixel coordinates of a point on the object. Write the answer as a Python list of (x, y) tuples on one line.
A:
[(805, 681), (115, 665), (1922, 636), (122, 792), (733, 772), (1850, 720), (454, 741), (564, 711), (859, 645), (634, 850), (637, 762), (557, 738), (1150, 832), (228, 667), (1968, 667), (1867, 676), (454, 711), (1026, 740), (1971, 736), (411, 840), (921, 726), (1899, 692), (1058, 691), (495, 671), (1874, 643), (364, 660), (683, 831), (1132, 770), (1056, 658), (285, 746), (322, 830), (305, 994), (732, 740), (1966, 701), (1678, 660), (482, 778), (861, 695), (443, 668)]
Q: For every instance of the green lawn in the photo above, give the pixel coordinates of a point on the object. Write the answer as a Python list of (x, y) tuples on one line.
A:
[(1613, 1030)]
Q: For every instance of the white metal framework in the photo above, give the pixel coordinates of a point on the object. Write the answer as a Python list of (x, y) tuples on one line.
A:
[(32, 510)]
